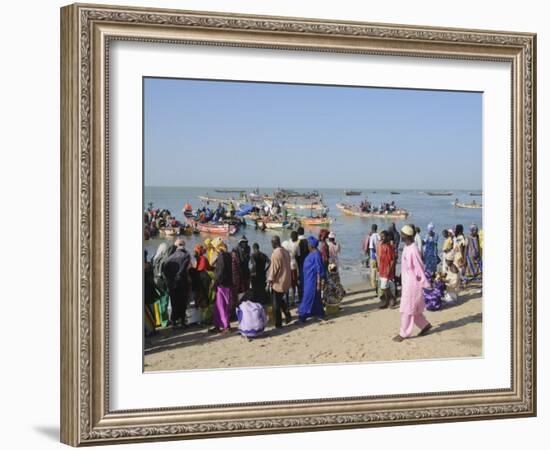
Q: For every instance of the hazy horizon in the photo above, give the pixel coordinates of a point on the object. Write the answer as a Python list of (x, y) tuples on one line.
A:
[(230, 134)]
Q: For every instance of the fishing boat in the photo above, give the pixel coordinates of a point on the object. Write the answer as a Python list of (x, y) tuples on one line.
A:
[(168, 232), (304, 206), (217, 200), (214, 228), (440, 193), (477, 194), (352, 210), (474, 204), (229, 191), (394, 193), (352, 192), (316, 221)]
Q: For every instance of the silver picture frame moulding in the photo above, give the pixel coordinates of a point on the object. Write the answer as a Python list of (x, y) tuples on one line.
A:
[(86, 34)]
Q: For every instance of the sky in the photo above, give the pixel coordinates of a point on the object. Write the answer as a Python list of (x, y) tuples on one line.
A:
[(241, 134)]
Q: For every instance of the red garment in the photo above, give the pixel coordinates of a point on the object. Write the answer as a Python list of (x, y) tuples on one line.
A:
[(202, 264), (386, 257)]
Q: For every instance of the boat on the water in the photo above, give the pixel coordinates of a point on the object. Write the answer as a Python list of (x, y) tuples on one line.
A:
[(394, 193), (352, 210), (473, 204), (229, 191), (302, 206), (214, 228), (168, 231), (352, 192), (316, 221), (440, 193), (476, 194)]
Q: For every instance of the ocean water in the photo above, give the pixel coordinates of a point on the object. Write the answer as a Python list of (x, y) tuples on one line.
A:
[(350, 230)]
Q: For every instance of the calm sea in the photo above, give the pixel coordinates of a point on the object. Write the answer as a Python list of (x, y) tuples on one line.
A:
[(350, 231)]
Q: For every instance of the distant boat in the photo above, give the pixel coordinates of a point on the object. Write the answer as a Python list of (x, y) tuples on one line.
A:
[(439, 193), (229, 191), (467, 205), (478, 194), (394, 193), (352, 192)]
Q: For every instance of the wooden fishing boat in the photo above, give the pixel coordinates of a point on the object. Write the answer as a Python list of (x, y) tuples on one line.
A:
[(352, 193), (304, 206), (229, 191), (439, 193), (168, 232), (354, 211), (214, 228), (395, 193), (223, 201), (316, 221), (467, 205), (477, 194)]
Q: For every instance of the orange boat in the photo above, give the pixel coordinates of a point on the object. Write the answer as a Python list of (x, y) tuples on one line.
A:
[(316, 221)]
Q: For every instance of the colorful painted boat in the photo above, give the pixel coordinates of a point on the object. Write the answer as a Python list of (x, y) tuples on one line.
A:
[(316, 221), (472, 205), (168, 232), (214, 228), (314, 206), (354, 211)]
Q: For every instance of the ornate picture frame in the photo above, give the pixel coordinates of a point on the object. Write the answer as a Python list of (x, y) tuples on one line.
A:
[(86, 34)]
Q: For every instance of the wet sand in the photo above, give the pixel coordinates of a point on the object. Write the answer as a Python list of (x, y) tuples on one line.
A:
[(359, 332)]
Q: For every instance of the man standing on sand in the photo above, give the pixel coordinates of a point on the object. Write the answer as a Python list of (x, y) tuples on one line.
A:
[(291, 246), (413, 281), (176, 271), (279, 281), (373, 244), (386, 270)]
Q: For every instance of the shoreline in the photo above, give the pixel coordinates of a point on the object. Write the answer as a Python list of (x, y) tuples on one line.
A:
[(358, 333)]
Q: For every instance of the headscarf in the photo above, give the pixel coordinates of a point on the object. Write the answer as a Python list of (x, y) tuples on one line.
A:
[(161, 251), (219, 245), (473, 228), (323, 234), (208, 243), (430, 226), (199, 249), (314, 242)]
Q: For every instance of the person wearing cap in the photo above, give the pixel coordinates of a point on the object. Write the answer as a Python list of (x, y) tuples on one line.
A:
[(430, 256), (279, 281), (413, 282), (176, 271), (334, 249), (314, 274)]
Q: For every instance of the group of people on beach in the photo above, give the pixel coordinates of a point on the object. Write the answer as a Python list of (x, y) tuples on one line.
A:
[(422, 285), (302, 271)]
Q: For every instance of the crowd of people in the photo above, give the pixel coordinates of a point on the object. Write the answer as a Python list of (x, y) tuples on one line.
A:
[(230, 284), (303, 272), (429, 279)]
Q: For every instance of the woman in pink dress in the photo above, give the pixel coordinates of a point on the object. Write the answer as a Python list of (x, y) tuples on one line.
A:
[(413, 281)]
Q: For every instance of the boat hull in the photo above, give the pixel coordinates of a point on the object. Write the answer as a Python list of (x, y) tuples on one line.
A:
[(351, 212)]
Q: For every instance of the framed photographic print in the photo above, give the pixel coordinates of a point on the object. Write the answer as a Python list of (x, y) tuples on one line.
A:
[(276, 224)]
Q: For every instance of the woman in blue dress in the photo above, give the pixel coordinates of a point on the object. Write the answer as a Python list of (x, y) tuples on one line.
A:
[(314, 272), (430, 256)]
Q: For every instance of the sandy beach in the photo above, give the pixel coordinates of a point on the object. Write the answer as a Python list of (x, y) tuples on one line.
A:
[(359, 332)]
